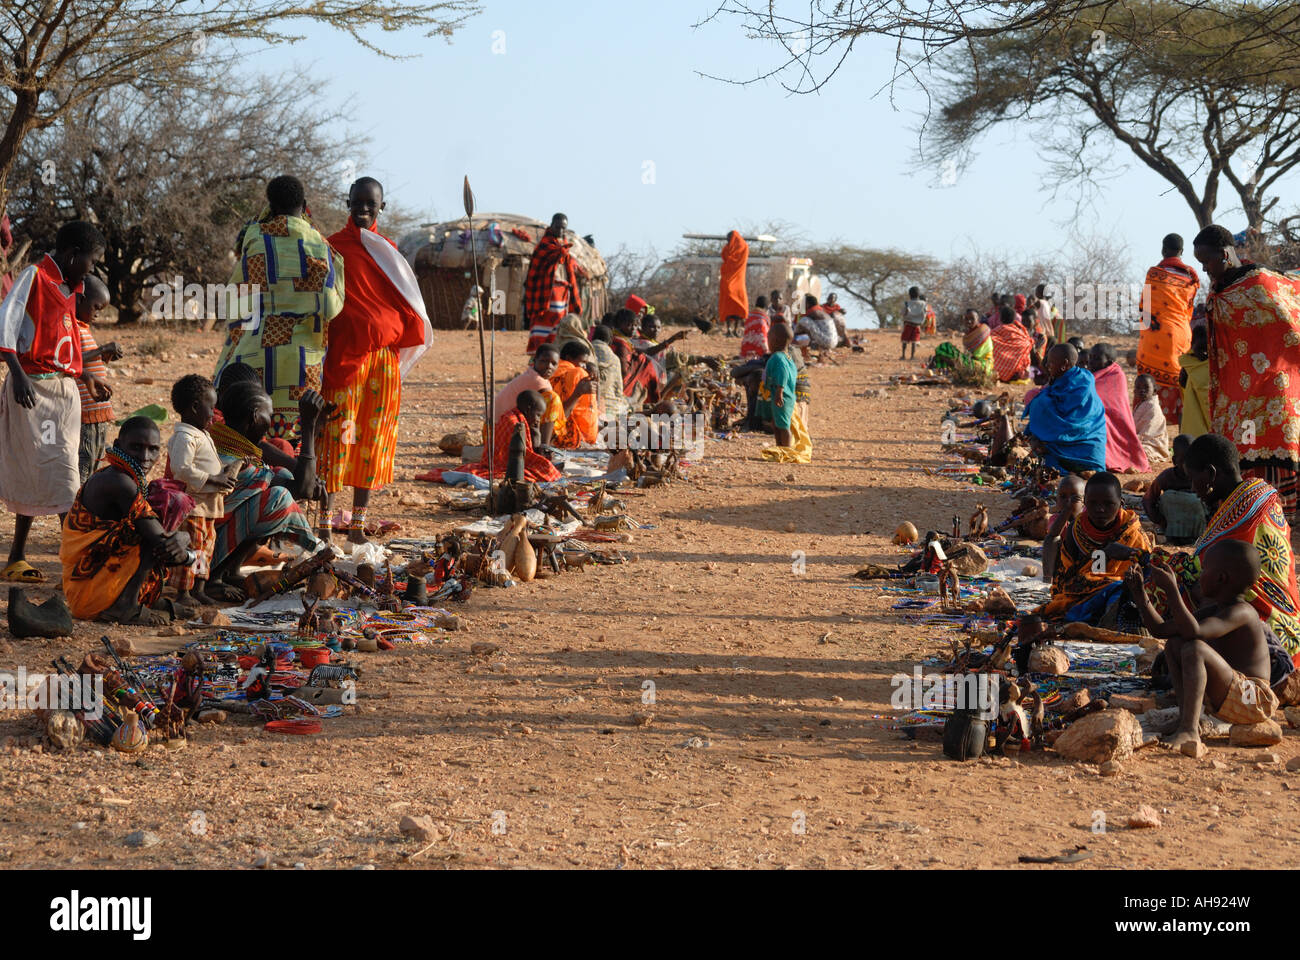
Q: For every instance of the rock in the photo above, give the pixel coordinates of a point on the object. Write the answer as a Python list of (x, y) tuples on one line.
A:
[(262, 860), (1263, 734), (447, 621), (643, 719), (1047, 658), (1145, 818), (790, 527), (972, 561), (174, 630), (1288, 691), (213, 617), (141, 838), (212, 716), (421, 828), (1269, 758), (483, 648), (1111, 768), (64, 730), (696, 743), (1098, 737), (1080, 698), (1292, 714), (999, 603), (1132, 702), (1293, 764), (124, 647), (1195, 749)]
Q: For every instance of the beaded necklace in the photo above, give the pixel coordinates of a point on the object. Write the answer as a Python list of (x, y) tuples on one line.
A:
[(232, 443), (123, 461)]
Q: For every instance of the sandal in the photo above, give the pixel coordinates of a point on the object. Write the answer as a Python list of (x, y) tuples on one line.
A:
[(20, 571)]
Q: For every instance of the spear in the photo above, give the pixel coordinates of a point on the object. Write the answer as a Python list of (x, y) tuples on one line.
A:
[(478, 313)]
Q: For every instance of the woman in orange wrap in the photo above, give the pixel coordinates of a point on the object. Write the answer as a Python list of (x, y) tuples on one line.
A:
[(576, 391), (376, 338), (1168, 297)]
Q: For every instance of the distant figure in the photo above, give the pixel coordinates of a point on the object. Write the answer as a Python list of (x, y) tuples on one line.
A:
[(551, 286), (833, 310), (913, 320), (817, 325), (753, 344), (1168, 296), (1195, 381)]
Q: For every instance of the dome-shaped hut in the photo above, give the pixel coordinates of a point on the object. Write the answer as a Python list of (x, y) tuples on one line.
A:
[(503, 242)]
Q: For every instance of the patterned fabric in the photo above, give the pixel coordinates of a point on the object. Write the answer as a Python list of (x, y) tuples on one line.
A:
[(1253, 513), (92, 411), (359, 446), (1012, 345), (203, 538), (753, 342), (100, 557), (1074, 581), (611, 378), (282, 333), (1281, 479), (580, 425), (1167, 300), (1254, 338), (550, 290), (1152, 430), (536, 467), (641, 377), (257, 509), (94, 441)]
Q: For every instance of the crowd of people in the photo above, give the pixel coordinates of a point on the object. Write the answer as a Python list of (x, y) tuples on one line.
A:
[(1226, 376)]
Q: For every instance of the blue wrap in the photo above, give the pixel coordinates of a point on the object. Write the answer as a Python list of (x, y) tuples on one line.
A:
[(1068, 417)]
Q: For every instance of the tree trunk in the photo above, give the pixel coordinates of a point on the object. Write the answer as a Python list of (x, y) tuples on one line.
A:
[(20, 123)]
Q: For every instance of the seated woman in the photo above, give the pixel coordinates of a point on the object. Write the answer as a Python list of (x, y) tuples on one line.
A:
[(1251, 511), (264, 503), (976, 347), (1066, 418), (1124, 453), (576, 391), (1013, 347), (1093, 555), (114, 549), (528, 411)]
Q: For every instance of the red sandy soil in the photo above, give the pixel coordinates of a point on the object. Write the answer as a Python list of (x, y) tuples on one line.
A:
[(784, 676)]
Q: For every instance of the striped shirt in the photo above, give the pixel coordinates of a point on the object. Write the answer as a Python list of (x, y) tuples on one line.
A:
[(93, 411)]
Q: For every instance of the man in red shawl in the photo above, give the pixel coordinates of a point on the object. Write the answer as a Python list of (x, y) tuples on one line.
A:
[(551, 286), (733, 299), (1168, 298), (376, 338)]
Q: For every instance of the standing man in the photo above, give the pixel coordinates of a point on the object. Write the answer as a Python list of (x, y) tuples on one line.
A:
[(1254, 352), (551, 286), (1168, 297), (374, 341)]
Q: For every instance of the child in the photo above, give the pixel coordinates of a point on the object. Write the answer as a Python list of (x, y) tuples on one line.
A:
[(1170, 502), (1219, 656), (1069, 504), (1195, 380), (96, 394), (1149, 419), (40, 408), (779, 380), (914, 309), (192, 459), (753, 344)]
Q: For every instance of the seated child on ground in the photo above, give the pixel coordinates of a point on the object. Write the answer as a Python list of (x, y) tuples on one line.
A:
[(1170, 502), (1218, 656), (192, 459), (1149, 419)]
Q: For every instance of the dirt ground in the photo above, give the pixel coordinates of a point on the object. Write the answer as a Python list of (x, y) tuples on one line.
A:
[(532, 757)]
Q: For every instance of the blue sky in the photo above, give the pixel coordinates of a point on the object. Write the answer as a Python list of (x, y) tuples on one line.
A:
[(587, 93)]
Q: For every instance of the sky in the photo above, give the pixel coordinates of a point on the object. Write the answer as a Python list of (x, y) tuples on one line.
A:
[(597, 108)]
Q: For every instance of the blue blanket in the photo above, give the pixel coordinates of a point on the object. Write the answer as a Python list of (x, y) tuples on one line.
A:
[(1068, 417)]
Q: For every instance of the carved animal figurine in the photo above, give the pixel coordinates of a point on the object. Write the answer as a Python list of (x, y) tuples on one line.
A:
[(949, 586), (979, 522)]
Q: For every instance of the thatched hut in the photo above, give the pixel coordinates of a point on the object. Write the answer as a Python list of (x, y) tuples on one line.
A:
[(504, 243)]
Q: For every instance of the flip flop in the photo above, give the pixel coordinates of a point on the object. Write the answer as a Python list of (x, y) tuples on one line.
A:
[(20, 571)]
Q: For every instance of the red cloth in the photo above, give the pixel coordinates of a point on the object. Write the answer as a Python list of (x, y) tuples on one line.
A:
[(1020, 303), (1012, 345), (641, 378), (56, 340), (536, 467), (754, 342), (547, 300), (733, 301), (375, 315), (634, 303), (1123, 449)]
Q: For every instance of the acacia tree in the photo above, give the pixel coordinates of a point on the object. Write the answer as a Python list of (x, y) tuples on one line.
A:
[(1150, 76), (171, 188), (58, 54), (877, 278)]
